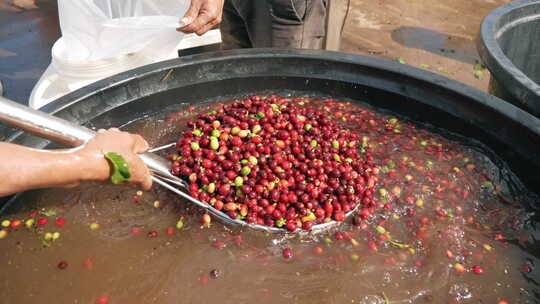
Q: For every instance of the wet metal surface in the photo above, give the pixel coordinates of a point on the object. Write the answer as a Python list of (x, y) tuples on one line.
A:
[(26, 37)]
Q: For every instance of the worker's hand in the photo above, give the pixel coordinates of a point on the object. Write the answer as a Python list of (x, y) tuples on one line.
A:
[(202, 16), (127, 145)]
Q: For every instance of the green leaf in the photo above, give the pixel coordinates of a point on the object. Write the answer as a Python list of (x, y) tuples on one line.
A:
[(386, 300), (231, 255), (120, 168), (487, 184), (478, 74), (401, 60), (399, 245), (48, 213), (443, 70), (479, 67)]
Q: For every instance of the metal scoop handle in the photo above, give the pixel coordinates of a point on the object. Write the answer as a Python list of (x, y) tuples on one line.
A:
[(65, 132)]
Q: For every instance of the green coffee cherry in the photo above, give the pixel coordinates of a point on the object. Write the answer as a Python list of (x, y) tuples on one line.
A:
[(245, 170), (238, 181), (214, 143), (195, 146)]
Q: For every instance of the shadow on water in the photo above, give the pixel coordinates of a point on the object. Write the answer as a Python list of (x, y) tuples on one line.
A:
[(454, 47)]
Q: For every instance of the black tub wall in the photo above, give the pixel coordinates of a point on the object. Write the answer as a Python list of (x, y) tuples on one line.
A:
[(421, 95)]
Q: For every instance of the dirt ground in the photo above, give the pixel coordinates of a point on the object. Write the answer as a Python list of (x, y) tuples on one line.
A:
[(430, 34)]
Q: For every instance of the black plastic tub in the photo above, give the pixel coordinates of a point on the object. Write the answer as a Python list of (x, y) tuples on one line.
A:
[(509, 45), (510, 132)]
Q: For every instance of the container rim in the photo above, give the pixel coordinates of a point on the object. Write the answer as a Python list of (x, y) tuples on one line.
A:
[(496, 104), (492, 54)]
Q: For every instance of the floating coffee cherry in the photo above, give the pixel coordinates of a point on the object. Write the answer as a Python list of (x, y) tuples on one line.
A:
[(477, 269), (102, 300), (62, 265), (42, 221), (215, 273), (60, 221), (287, 253)]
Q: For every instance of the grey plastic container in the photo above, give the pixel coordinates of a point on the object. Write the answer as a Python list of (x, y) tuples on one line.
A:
[(509, 45)]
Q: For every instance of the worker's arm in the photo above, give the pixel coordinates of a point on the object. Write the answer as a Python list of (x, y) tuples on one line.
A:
[(202, 16), (24, 168)]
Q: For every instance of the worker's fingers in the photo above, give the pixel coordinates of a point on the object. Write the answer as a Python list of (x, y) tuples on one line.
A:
[(208, 15), (147, 182), (114, 129), (210, 25), (197, 24), (101, 131), (207, 27), (141, 145), (141, 174), (191, 13)]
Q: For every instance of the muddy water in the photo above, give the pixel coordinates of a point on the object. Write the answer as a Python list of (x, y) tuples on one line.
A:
[(449, 210)]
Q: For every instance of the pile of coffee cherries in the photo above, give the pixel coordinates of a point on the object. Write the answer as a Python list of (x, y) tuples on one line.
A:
[(273, 161)]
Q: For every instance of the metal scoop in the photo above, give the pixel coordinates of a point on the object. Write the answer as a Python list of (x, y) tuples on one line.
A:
[(68, 133)]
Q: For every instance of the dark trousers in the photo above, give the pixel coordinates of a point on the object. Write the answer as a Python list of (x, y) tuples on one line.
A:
[(273, 23)]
